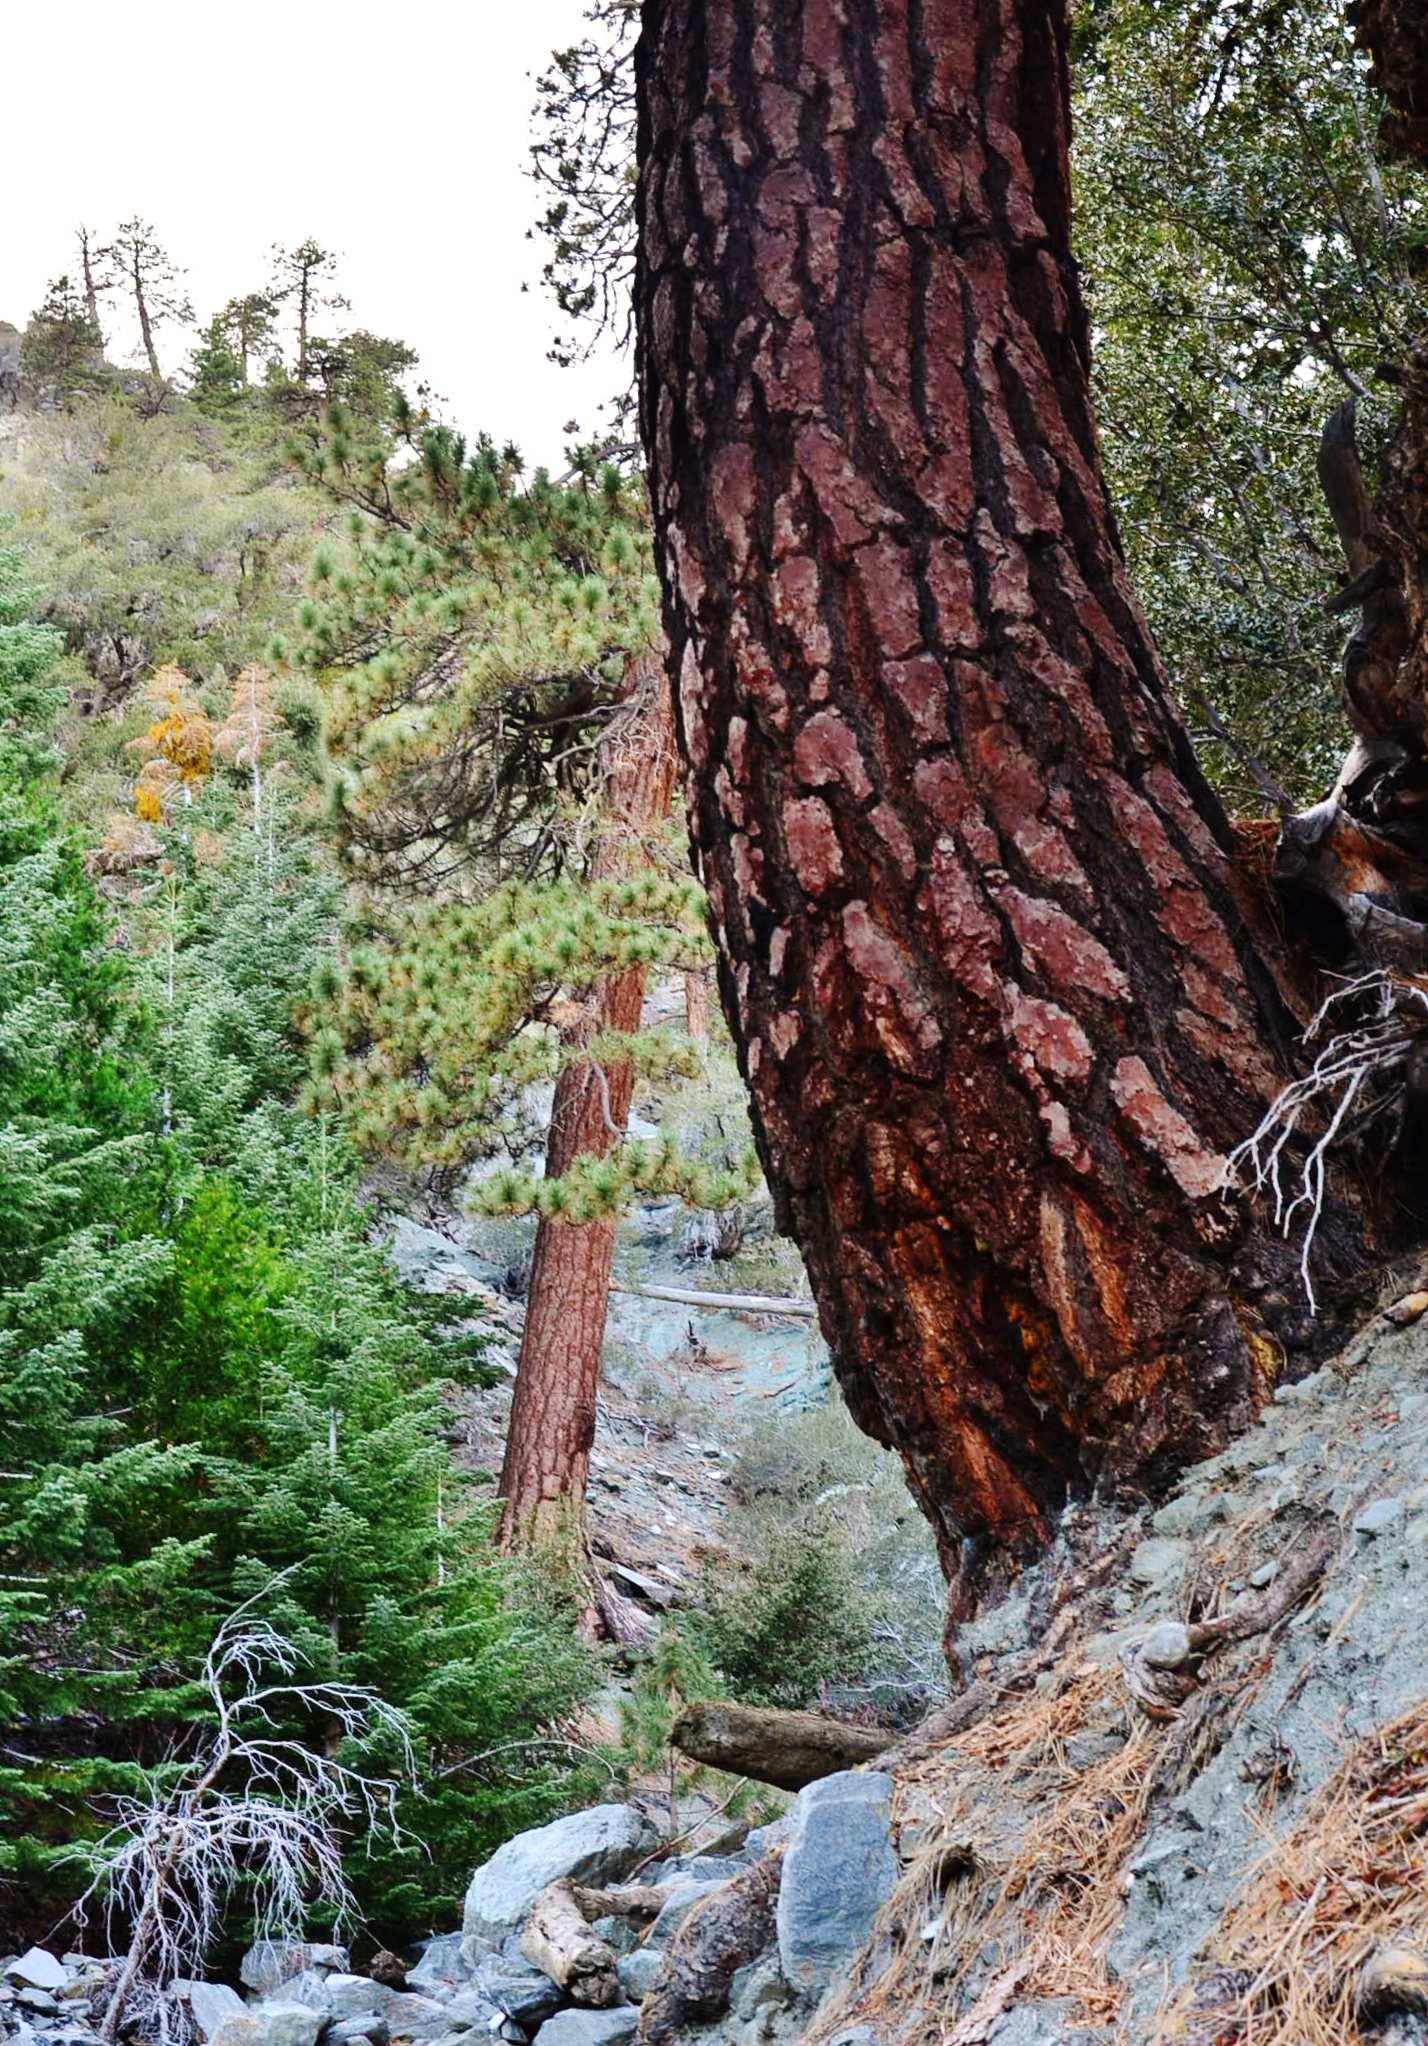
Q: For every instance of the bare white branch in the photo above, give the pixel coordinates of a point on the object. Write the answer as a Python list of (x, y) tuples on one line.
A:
[(1366, 1062), (255, 1806)]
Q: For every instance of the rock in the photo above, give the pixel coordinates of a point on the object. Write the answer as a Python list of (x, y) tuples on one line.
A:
[(762, 1985), (1167, 1646), (617, 1932), (472, 2010), (310, 1987), (269, 1963), (272, 2024), (1393, 1983), (611, 2027), (524, 1993), (1159, 1559), (638, 1970), (596, 1847), (1086, 1750), (210, 2003), (442, 1967), (37, 1969), (39, 2002), (1378, 1517), (351, 1996), (1264, 1576), (764, 1838), (839, 1869), (367, 2030), (677, 1908), (409, 2016)]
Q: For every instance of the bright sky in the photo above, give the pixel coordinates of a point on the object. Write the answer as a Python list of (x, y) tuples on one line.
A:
[(396, 135)]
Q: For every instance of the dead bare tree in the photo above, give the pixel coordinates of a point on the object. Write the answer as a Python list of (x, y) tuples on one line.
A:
[(255, 1805)]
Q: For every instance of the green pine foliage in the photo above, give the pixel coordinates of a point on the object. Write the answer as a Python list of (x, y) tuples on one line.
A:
[(211, 1383), (473, 637)]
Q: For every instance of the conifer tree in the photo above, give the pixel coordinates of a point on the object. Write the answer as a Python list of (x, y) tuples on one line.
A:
[(216, 371), (151, 279), (495, 705), (61, 351), (97, 274), (249, 323), (302, 280)]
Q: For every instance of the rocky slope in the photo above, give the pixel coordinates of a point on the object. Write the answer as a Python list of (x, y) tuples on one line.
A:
[(1181, 1794)]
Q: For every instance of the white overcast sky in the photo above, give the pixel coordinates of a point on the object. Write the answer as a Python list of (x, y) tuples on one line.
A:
[(396, 135)]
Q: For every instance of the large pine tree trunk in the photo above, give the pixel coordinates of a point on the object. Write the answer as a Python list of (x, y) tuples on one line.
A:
[(981, 939), (552, 1424)]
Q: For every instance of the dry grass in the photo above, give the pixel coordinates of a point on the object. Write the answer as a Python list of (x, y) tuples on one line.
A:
[(1348, 1878), (1044, 1902)]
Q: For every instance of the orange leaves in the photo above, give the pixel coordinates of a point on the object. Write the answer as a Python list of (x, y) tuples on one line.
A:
[(178, 744), (181, 744)]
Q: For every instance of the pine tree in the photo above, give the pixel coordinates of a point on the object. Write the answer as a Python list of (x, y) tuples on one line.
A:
[(150, 277), (506, 710), (303, 279), (97, 275), (216, 379), (61, 352), (249, 325)]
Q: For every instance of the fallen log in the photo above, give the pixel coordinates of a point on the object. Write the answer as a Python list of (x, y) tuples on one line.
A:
[(785, 1748), (723, 1933), (726, 1303), (557, 1939)]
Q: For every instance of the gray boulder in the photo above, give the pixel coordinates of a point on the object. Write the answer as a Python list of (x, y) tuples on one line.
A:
[(596, 1846), (592, 2027), (471, 2010), (310, 1987), (367, 2030), (272, 2024), (407, 2016), (36, 1969), (637, 1972), (838, 1871), (443, 1966), (210, 2003), (677, 1907), (522, 1992), (269, 1963)]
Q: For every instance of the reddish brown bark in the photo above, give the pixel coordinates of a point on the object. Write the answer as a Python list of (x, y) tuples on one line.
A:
[(552, 1426), (696, 1003), (980, 938)]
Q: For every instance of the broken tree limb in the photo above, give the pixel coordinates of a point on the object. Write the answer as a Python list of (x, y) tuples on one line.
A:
[(729, 1303), (557, 1939), (788, 1749), (723, 1933)]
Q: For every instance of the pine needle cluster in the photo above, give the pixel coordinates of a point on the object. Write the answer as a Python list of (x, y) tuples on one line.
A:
[(474, 637), (472, 631)]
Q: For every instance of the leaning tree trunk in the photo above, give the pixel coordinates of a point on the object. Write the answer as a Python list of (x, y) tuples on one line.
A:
[(981, 940), (552, 1425), (146, 325)]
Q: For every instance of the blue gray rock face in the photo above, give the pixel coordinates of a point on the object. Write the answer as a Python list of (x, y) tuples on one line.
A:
[(210, 2003), (597, 1846), (269, 1963), (591, 2027), (442, 1967), (838, 1871), (272, 2024)]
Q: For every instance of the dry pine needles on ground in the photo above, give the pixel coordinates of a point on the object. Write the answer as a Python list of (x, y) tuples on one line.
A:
[(1342, 1886)]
